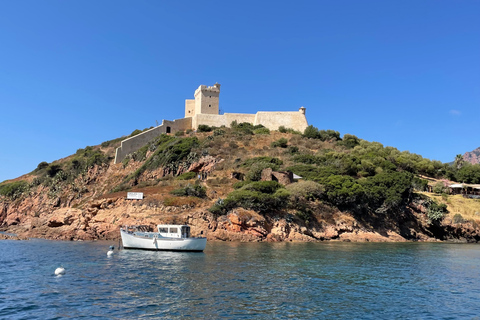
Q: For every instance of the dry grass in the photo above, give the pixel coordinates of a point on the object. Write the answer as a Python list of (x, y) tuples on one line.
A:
[(457, 204)]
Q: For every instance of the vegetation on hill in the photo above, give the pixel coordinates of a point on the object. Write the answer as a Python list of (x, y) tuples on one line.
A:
[(365, 178)]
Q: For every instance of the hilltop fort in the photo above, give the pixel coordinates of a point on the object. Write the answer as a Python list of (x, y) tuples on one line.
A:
[(204, 110)]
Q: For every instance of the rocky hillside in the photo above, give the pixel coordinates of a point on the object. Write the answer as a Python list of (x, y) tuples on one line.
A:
[(234, 184), (473, 156)]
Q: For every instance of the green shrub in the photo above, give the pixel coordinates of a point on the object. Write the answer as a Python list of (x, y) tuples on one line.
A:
[(269, 187), (439, 188), (292, 149), (311, 132), (191, 191), (53, 169), (275, 161), (282, 129), (204, 128), (308, 190), (420, 184), (170, 152), (188, 131), (240, 184), (13, 190), (350, 141), (261, 131), (140, 154), (306, 158), (135, 132), (389, 190), (435, 211), (255, 200), (42, 165), (281, 143), (187, 176), (255, 172), (343, 191), (218, 132), (323, 135), (179, 133), (108, 143)]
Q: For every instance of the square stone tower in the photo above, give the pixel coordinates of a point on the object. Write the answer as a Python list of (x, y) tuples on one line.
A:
[(206, 99)]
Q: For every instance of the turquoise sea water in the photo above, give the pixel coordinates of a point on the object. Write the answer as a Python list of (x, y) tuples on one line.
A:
[(241, 281)]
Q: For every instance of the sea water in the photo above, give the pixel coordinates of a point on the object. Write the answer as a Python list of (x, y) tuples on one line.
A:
[(328, 280)]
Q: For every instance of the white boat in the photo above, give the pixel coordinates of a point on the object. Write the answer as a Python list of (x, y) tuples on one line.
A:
[(169, 237)]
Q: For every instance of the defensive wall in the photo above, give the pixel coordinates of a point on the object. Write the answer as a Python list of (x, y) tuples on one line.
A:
[(204, 110), (134, 143)]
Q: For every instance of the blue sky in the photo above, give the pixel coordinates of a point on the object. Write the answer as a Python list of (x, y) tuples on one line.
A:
[(77, 73)]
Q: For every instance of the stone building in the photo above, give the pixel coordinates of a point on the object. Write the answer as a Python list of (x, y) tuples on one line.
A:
[(204, 110)]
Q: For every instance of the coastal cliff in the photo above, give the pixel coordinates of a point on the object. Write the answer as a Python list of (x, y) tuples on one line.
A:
[(233, 185)]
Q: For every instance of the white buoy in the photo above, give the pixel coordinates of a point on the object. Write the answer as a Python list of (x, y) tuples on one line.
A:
[(60, 271), (110, 251)]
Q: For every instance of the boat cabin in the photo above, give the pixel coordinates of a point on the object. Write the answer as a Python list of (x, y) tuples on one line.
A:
[(174, 231)]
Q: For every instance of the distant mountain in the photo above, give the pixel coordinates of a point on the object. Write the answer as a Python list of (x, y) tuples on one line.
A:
[(472, 156)]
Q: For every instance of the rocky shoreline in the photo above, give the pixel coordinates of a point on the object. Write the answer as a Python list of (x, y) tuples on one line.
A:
[(101, 220)]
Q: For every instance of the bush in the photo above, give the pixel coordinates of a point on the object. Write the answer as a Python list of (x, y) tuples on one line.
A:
[(53, 169), (269, 187), (311, 132), (282, 143), (204, 128), (255, 172), (255, 200), (42, 165), (388, 190), (323, 135), (292, 149), (187, 176), (439, 188), (179, 133), (244, 127), (14, 189), (435, 211), (170, 152), (308, 190), (343, 191), (274, 161), (282, 129), (218, 132), (191, 191), (135, 132), (240, 184), (350, 141), (261, 131)]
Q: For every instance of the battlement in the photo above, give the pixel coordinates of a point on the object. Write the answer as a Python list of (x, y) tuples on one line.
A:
[(203, 88)]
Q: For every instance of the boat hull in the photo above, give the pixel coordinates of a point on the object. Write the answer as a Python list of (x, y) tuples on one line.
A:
[(131, 241)]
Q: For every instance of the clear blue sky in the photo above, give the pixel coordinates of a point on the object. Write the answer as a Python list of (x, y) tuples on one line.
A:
[(77, 73)]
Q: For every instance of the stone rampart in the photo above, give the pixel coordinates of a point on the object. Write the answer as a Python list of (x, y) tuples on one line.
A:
[(295, 120), (134, 143)]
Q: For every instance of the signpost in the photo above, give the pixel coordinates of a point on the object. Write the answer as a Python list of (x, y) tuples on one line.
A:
[(134, 195)]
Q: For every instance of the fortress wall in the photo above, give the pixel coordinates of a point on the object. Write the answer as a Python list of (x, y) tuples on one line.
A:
[(221, 120), (134, 143), (295, 120), (209, 120), (239, 117)]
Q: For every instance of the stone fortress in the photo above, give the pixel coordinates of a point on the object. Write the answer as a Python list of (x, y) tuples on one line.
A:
[(204, 110)]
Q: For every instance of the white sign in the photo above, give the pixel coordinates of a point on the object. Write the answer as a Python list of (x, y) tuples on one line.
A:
[(135, 195)]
